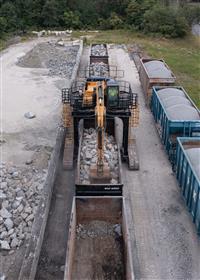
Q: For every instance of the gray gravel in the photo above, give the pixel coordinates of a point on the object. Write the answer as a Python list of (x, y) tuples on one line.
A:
[(157, 69), (98, 50), (177, 105), (59, 60), (99, 69), (20, 192), (89, 155), (97, 228)]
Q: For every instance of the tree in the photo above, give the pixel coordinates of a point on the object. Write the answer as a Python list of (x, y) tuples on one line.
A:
[(164, 21), (115, 21), (72, 20), (136, 9), (23, 10), (191, 13), (8, 12), (3, 25), (50, 16)]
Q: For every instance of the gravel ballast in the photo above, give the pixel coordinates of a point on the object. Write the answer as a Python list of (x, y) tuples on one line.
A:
[(99, 69), (99, 50), (98, 229), (59, 60), (89, 155)]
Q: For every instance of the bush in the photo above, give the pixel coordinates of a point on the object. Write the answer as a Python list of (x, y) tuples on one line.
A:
[(192, 14), (8, 14), (72, 20), (115, 21), (136, 10), (164, 21), (3, 25)]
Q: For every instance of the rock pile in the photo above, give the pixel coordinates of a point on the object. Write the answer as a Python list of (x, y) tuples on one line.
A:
[(20, 191), (89, 155), (99, 50), (99, 69), (97, 229), (60, 60), (52, 32)]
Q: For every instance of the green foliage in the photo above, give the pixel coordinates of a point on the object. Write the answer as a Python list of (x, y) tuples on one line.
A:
[(3, 25), (89, 13), (191, 13), (49, 13), (115, 21), (72, 20), (8, 12), (164, 21), (144, 15), (135, 11)]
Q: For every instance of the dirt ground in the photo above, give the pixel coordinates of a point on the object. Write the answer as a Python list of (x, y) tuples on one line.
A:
[(164, 239), (27, 90)]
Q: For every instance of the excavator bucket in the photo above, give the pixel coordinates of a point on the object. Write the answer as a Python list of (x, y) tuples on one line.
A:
[(103, 177)]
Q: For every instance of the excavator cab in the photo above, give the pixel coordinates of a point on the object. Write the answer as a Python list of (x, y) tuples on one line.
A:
[(112, 94)]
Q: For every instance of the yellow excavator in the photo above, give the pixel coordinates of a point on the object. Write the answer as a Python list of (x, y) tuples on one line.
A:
[(98, 101), (100, 171)]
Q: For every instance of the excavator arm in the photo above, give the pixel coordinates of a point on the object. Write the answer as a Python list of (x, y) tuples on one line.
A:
[(100, 173), (100, 113)]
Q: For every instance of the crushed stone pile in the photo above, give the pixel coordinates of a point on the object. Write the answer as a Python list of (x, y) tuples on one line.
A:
[(177, 105), (97, 228), (103, 241), (89, 155), (157, 69), (20, 192), (99, 69), (99, 50), (60, 60)]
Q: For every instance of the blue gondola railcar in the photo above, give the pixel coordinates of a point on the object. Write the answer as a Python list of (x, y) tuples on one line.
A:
[(175, 115), (188, 174)]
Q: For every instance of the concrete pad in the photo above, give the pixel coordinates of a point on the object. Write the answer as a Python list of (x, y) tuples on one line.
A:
[(164, 240)]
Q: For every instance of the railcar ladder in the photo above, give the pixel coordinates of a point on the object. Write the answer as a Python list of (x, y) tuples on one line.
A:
[(68, 124), (132, 150)]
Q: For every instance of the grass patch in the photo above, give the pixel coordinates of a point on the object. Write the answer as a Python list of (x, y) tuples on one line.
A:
[(182, 55)]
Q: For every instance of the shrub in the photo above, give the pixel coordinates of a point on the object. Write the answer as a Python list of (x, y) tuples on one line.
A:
[(115, 21), (3, 25), (192, 14), (8, 13), (72, 20), (136, 10), (164, 21)]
